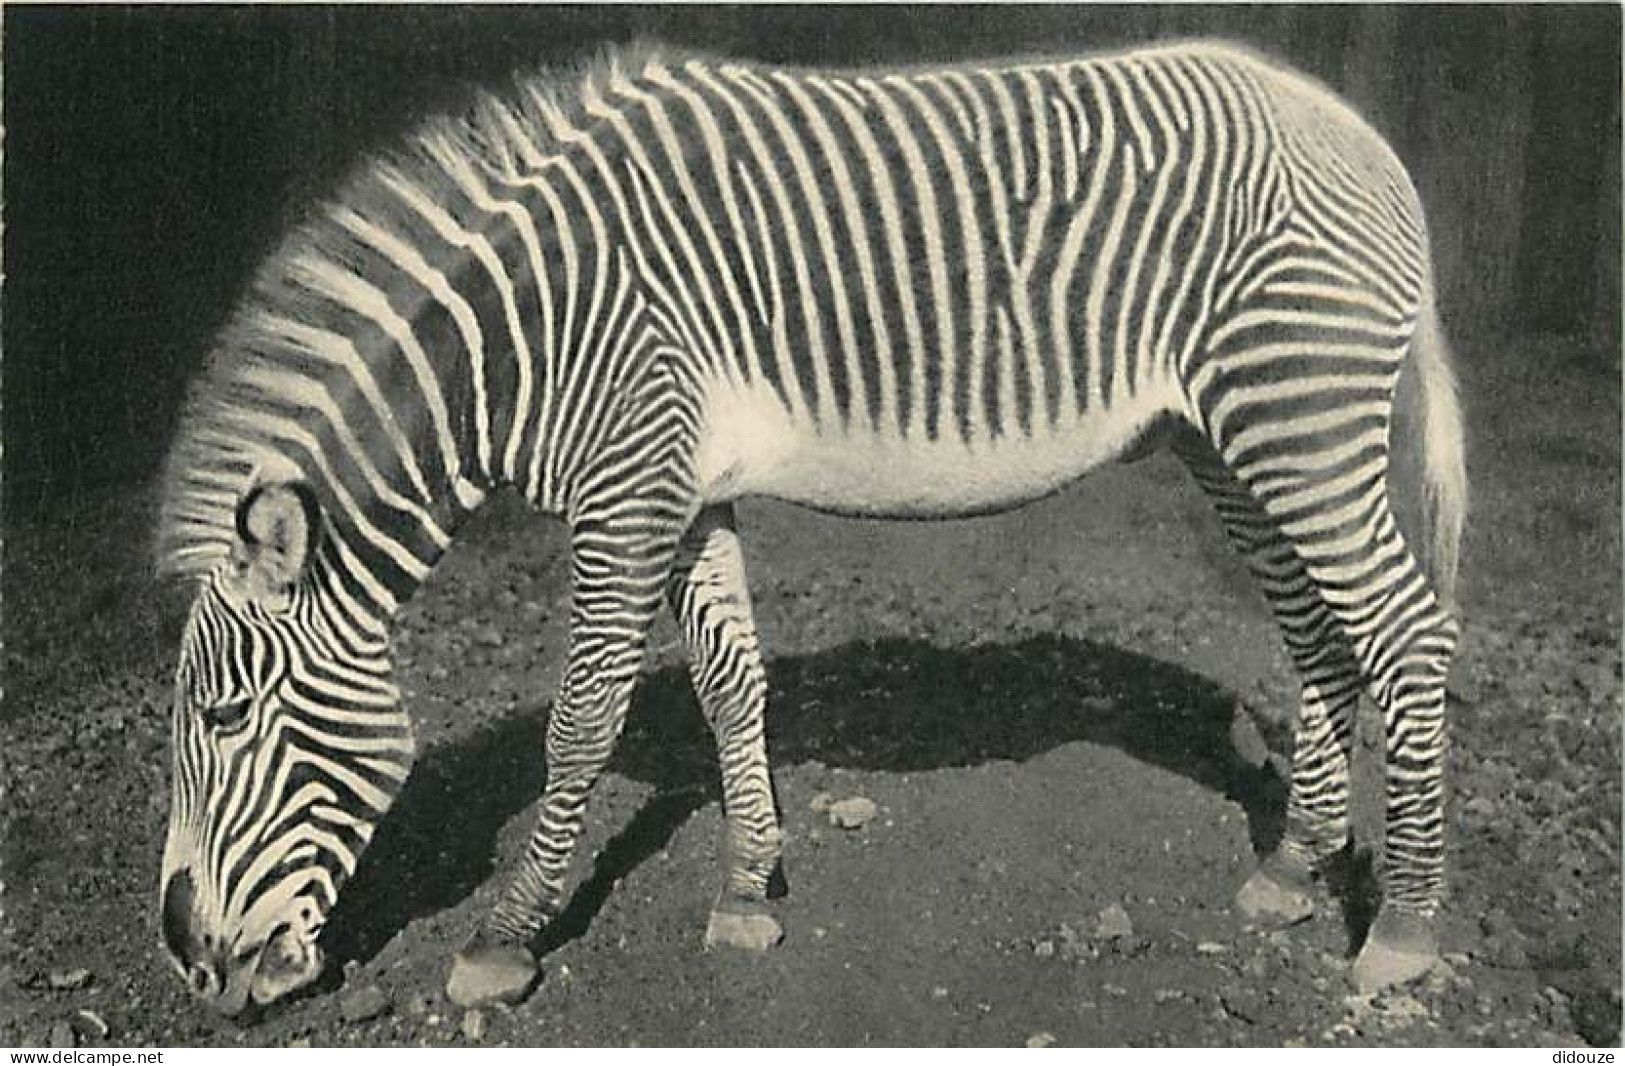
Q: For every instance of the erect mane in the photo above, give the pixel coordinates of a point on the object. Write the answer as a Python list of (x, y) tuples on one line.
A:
[(261, 366)]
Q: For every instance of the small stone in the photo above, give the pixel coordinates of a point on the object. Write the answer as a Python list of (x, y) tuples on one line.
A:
[(300, 1042), (821, 802), (1114, 990), (1403, 1010), (1113, 923), (1242, 1006), (364, 1004), (69, 980), (855, 812), (90, 1025), (474, 1026), (1044, 949), (1359, 1006), (939, 992), (1211, 947), (1167, 995), (62, 1035), (1042, 1039)]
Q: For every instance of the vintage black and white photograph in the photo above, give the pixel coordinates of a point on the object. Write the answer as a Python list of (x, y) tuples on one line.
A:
[(811, 526)]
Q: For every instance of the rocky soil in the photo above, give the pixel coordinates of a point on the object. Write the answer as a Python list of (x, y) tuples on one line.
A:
[(1066, 723)]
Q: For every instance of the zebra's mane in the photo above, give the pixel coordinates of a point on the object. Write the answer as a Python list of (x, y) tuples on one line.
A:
[(258, 367)]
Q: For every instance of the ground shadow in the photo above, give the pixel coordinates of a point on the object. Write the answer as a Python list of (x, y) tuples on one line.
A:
[(893, 704)]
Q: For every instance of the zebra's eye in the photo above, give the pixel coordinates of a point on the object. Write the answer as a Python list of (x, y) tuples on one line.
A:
[(228, 716)]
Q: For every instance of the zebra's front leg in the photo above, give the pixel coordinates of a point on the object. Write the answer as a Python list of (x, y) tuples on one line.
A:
[(711, 601), (617, 578)]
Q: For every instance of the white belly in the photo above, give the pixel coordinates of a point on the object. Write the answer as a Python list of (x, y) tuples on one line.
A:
[(752, 447)]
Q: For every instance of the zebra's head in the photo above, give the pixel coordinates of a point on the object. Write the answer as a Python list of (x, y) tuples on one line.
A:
[(289, 743)]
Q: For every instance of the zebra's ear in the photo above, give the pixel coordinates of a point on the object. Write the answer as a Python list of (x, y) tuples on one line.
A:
[(277, 527)]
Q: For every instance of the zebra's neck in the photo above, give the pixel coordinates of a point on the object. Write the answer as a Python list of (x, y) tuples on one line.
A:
[(455, 322)]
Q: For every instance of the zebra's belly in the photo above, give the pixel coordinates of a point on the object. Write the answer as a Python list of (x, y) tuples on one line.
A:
[(752, 447)]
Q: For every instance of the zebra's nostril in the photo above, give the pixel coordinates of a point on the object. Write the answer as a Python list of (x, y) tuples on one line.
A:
[(177, 917), (203, 979)]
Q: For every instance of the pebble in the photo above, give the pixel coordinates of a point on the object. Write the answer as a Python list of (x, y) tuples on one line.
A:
[(1044, 949), (1167, 995), (821, 802), (68, 980), (419, 1003), (1243, 1005), (1042, 1039), (90, 1025), (1211, 947), (1403, 1010), (364, 1004), (855, 812), (1113, 923), (474, 1026), (300, 1042)]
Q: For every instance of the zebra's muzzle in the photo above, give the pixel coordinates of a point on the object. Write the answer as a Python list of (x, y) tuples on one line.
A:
[(232, 982)]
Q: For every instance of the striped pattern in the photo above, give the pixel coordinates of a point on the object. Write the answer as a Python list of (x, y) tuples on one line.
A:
[(672, 282), (289, 745)]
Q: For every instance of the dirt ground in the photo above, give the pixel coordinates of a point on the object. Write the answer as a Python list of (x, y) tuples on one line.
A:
[(1063, 715)]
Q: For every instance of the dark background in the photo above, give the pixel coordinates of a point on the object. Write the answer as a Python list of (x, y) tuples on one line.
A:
[(152, 155), (1035, 699)]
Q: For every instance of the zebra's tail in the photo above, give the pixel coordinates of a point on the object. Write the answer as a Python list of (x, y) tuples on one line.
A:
[(1441, 452)]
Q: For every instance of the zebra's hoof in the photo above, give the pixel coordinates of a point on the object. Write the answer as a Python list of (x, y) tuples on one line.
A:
[(1400, 948), (744, 925), (1277, 895), (490, 973)]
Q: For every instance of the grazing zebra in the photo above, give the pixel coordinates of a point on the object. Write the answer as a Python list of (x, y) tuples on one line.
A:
[(666, 283)]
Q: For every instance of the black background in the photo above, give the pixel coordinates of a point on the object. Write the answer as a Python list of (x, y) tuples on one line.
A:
[(152, 155)]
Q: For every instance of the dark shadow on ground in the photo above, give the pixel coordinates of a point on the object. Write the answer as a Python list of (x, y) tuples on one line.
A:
[(896, 705)]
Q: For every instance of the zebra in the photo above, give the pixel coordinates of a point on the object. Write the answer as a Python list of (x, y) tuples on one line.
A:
[(646, 289)]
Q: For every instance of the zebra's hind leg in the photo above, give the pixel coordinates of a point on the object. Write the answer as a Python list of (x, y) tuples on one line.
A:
[(1281, 891), (1331, 502), (711, 601), (621, 554)]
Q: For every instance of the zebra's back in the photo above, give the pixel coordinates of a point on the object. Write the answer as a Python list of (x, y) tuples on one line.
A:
[(953, 289)]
